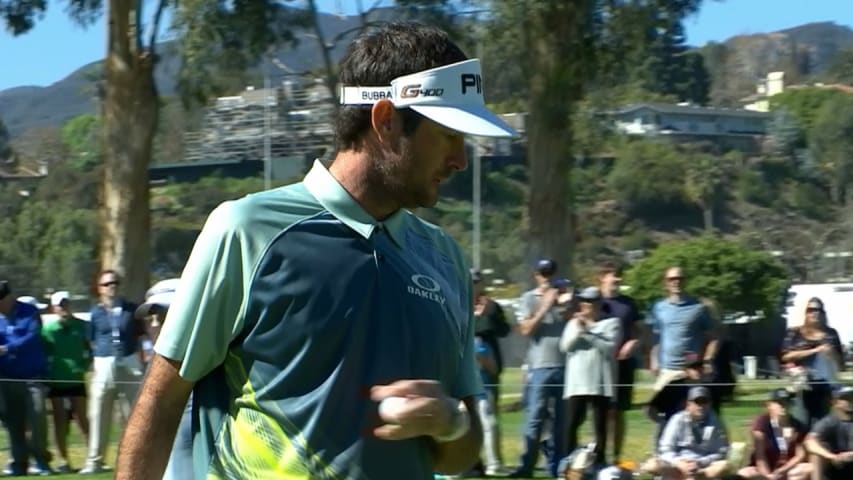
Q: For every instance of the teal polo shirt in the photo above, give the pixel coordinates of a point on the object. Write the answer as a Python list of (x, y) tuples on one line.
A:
[(293, 303)]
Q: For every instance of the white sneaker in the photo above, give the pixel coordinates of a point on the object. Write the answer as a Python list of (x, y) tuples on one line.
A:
[(91, 470), (498, 471)]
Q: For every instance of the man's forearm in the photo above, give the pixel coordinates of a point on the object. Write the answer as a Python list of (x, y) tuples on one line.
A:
[(460, 455), (711, 350), (153, 423), (814, 446)]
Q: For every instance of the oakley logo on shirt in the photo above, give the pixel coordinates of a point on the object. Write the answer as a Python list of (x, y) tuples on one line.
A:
[(426, 287)]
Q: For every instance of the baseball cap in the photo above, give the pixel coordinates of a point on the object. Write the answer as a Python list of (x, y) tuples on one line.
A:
[(779, 395), (695, 393), (590, 294), (160, 295), (844, 393), (546, 266), (30, 300), (58, 297), (450, 95), (561, 283)]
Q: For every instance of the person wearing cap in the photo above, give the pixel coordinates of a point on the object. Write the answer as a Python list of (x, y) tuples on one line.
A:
[(153, 311), (117, 364), (302, 308), (589, 341), (68, 356), (777, 451), (831, 440), (22, 359), (694, 443), (542, 320), (616, 304)]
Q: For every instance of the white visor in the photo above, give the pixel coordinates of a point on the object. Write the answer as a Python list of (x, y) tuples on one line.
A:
[(451, 95)]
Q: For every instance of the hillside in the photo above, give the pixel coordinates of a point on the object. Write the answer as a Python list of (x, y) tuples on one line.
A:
[(735, 66), (802, 52)]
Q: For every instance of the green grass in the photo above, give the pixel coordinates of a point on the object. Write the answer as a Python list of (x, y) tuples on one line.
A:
[(737, 416)]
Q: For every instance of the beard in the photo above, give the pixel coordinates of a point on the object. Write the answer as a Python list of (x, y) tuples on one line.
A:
[(401, 179)]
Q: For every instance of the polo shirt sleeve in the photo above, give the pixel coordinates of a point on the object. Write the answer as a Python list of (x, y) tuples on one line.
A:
[(825, 430), (206, 315)]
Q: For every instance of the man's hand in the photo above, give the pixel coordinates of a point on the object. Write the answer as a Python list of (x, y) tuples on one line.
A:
[(549, 298), (427, 411), (687, 467)]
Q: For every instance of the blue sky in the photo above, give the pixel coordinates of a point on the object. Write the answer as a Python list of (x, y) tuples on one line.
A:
[(57, 47)]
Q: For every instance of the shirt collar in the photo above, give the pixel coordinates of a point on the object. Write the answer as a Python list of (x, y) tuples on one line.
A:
[(334, 198)]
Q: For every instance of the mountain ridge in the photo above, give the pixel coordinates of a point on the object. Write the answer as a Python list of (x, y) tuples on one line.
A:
[(751, 56)]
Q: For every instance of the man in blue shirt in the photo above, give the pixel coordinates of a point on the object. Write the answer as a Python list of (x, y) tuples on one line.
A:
[(21, 358), (683, 337), (302, 308)]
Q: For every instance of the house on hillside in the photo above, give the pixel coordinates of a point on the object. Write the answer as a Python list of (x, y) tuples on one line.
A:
[(774, 84), (727, 129)]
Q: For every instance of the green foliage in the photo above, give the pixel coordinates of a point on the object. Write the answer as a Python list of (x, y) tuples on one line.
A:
[(49, 245), (81, 136), (804, 104), (733, 276), (5, 145), (832, 143), (648, 175)]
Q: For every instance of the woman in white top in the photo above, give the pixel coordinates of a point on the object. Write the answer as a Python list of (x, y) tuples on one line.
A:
[(589, 343)]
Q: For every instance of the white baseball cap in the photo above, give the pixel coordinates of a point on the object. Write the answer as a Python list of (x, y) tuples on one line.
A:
[(59, 296), (159, 295), (450, 95), (30, 300)]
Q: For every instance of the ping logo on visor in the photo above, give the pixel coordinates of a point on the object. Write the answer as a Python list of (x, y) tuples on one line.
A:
[(450, 95)]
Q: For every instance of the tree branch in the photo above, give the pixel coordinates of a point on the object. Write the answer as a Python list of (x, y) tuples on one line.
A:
[(158, 16)]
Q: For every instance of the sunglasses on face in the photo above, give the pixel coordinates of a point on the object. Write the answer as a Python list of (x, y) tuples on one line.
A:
[(110, 283), (813, 310)]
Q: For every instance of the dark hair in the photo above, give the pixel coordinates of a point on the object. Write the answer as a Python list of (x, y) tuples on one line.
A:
[(379, 56), (5, 289), (609, 267)]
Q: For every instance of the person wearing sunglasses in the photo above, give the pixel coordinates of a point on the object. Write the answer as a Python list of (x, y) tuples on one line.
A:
[(815, 347), (115, 336)]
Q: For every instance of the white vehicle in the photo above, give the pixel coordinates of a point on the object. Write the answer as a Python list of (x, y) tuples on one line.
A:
[(837, 300)]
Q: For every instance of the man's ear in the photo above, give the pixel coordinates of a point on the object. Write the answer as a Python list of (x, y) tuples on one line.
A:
[(385, 122)]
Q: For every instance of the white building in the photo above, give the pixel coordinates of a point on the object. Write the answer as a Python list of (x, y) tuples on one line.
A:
[(727, 129)]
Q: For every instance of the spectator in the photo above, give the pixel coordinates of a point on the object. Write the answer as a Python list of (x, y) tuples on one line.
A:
[(694, 443), (21, 359), (488, 366), (115, 337), (37, 412), (542, 321), (304, 307), (778, 450), (816, 348), (589, 342), (682, 336), (623, 307), (158, 298), (68, 357), (831, 440), (490, 325)]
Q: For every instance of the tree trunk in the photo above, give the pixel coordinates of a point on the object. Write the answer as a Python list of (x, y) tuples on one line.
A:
[(130, 110), (708, 218), (557, 64)]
